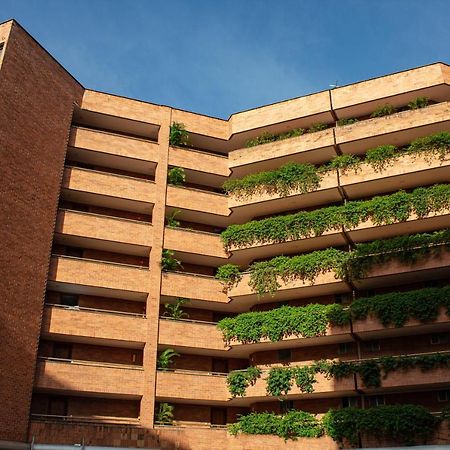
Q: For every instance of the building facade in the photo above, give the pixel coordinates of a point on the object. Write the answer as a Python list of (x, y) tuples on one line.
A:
[(113, 208)]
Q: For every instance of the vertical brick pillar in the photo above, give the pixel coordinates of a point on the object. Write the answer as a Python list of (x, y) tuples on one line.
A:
[(154, 289)]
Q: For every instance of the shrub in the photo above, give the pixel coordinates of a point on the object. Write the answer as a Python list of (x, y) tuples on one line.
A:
[(403, 423), (317, 127), (342, 162), (384, 110), (176, 176), (168, 261), (418, 102), (239, 380), (171, 219), (379, 157), (165, 358), (270, 137), (343, 122), (229, 275), (279, 381), (290, 177), (174, 310), (292, 425), (165, 414), (178, 135), (436, 144)]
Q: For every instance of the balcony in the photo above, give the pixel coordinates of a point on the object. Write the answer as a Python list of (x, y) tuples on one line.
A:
[(90, 277), (406, 172), (195, 247), (397, 129), (394, 272), (193, 386), (193, 286), (200, 167), (101, 148), (199, 206), (94, 326), (244, 209), (360, 99), (106, 233), (325, 284), (315, 148), (71, 377), (204, 338), (108, 190)]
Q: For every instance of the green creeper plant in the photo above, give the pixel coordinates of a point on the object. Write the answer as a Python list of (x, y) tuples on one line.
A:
[(418, 102), (168, 261), (171, 219), (384, 110), (343, 122), (317, 127), (239, 380), (165, 414), (270, 137), (229, 275)]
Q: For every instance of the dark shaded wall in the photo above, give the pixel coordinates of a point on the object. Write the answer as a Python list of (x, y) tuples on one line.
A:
[(36, 103)]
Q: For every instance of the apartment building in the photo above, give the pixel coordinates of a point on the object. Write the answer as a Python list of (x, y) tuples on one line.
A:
[(328, 245)]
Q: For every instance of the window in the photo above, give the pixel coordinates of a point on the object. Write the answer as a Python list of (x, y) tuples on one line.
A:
[(62, 350), (375, 400), (284, 354), (57, 406), (349, 402), (345, 347), (68, 299), (439, 339), (218, 416), (372, 346), (286, 405), (443, 396)]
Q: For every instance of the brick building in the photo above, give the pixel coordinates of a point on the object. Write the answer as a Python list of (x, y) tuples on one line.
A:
[(90, 204)]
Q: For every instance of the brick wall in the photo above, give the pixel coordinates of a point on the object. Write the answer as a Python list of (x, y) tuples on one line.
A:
[(32, 147)]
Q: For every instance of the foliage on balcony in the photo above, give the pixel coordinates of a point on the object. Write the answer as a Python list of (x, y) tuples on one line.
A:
[(344, 122), (406, 424), (265, 275), (304, 179), (384, 110), (289, 177), (176, 176), (418, 103), (270, 137), (306, 321), (381, 210), (312, 320), (239, 380), (280, 380), (165, 358), (292, 425), (164, 414), (178, 135), (175, 310), (168, 261), (171, 219), (229, 275), (314, 128)]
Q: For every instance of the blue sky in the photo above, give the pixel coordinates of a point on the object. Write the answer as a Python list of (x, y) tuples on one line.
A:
[(218, 57)]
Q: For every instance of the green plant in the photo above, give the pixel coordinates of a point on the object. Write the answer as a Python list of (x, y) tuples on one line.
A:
[(239, 380), (343, 163), (176, 176), (418, 102), (382, 210), (178, 135), (165, 414), (229, 275), (168, 261), (165, 359), (379, 157), (279, 381), (343, 122), (403, 423), (290, 177), (306, 321), (317, 127), (436, 144), (174, 310), (292, 425), (384, 110), (270, 137), (171, 220)]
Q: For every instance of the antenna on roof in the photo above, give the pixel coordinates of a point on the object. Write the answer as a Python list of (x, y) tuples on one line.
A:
[(335, 85)]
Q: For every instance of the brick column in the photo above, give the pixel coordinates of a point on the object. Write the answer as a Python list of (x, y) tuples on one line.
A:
[(154, 288)]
